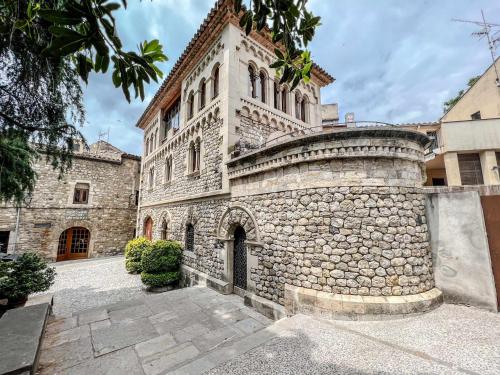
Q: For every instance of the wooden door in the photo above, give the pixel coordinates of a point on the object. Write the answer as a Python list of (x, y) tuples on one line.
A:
[(73, 244), (491, 211), (148, 228)]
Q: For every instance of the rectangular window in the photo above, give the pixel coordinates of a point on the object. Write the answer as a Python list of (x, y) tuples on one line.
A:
[(470, 169), (498, 159), (81, 195), (137, 197), (476, 115), (171, 119)]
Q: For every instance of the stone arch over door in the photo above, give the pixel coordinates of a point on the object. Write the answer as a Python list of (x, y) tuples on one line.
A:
[(234, 216), (73, 243), (63, 225), (239, 218)]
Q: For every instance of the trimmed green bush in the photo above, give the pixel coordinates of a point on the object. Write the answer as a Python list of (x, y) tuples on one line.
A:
[(133, 253), (27, 274), (157, 280), (132, 266), (160, 263)]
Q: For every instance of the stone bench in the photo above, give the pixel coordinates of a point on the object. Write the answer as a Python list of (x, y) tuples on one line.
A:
[(21, 333)]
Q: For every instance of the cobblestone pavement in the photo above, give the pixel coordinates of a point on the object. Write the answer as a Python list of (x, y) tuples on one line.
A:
[(449, 340), (84, 284)]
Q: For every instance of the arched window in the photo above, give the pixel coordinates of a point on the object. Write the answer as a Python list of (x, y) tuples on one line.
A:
[(197, 146), (151, 177), (262, 86), (189, 241), (148, 228), (168, 169), (276, 95), (190, 105), (194, 156), (203, 93), (164, 230), (146, 147), (304, 107), (298, 103), (215, 82), (252, 84), (284, 100)]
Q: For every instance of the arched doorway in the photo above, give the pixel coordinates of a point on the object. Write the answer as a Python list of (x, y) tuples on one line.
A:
[(148, 228), (73, 244), (240, 258)]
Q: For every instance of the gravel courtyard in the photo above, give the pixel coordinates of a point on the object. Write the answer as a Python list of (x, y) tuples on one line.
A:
[(84, 284), (107, 324)]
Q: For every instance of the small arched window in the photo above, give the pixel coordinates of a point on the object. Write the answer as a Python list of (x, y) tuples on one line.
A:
[(189, 240), (151, 177), (215, 82), (276, 95), (164, 230), (262, 86), (190, 105), (252, 84), (284, 100), (304, 107), (298, 103), (194, 156), (168, 169), (203, 93)]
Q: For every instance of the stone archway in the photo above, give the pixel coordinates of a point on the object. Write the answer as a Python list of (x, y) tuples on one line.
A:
[(73, 244), (234, 216), (238, 228)]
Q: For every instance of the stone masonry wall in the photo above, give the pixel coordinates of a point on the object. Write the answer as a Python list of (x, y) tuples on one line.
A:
[(182, 184), (347, 240), (110, 214), (204, 216)]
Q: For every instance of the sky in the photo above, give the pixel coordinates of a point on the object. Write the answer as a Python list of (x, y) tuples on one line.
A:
[(394, 61)]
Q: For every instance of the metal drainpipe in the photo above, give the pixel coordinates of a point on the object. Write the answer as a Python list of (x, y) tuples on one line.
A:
[(17, 229)]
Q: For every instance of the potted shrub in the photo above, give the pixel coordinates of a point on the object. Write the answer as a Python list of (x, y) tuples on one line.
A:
[(19, 278), (133, 252), (161, 265)]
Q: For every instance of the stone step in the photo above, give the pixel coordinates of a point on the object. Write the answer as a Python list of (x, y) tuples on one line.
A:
[(21, 333)]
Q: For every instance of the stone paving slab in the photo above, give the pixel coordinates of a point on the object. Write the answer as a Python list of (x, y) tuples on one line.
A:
[(120, 335), (163, 331)]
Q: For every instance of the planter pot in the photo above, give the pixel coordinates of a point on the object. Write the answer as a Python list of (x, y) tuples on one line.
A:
[(18, 302), (160, 289), (13, 303)]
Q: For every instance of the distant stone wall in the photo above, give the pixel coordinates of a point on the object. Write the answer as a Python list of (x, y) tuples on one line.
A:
[(110, 215)]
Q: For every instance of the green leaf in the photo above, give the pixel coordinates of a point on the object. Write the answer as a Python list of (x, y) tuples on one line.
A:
[(60, 17)]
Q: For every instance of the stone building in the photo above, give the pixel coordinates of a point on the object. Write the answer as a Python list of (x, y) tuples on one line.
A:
[(90, 212), (266, 202)]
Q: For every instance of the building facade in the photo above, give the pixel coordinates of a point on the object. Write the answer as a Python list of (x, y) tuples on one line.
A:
[(266, 202), (89, 212)]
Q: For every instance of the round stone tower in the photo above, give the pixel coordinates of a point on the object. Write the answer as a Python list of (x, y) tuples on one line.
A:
[(340, 218)]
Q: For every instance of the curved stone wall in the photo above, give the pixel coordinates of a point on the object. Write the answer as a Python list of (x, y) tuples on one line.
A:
[(338, 214)]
